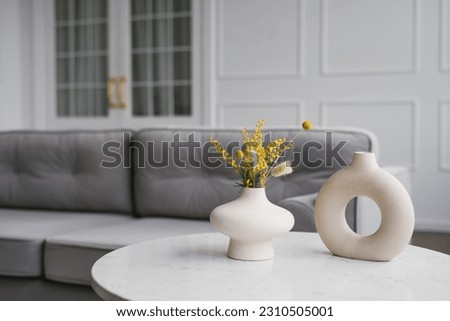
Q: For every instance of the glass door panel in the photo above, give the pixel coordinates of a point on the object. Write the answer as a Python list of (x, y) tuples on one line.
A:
[(81, 45), (161, 77)]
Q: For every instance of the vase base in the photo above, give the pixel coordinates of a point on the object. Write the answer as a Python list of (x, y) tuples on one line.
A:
[(250, 251)]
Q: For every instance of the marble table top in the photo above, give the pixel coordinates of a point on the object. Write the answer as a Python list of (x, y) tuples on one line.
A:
[(195, 267)]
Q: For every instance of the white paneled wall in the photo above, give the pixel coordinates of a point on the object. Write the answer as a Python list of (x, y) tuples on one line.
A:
[(378, 115), (377, 64), (445, 35), (269, 46), (444, 135), (358, 36), (287, 113)]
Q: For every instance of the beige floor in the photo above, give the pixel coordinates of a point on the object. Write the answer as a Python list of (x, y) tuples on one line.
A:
[(434, 241)]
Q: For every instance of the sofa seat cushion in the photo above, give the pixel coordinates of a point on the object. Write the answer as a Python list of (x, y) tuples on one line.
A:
[(23, 233), (69, 257)]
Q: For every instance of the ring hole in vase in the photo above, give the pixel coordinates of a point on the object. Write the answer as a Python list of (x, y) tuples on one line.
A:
[(368, 212)]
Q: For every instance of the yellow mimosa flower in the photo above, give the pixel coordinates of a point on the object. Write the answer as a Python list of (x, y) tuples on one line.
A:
[(256, 163), (306, 125)]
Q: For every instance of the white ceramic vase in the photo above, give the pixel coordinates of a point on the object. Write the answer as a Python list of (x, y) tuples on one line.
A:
[(251, 221), (364, 178)]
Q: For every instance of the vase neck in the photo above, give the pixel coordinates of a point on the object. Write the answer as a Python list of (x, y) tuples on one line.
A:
[(364, 160), (256, 193)]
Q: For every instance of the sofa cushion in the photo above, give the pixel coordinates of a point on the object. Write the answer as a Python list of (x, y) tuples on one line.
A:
[(302, 207), (23, 233), (69, 257), (175, 176), (62, 171)]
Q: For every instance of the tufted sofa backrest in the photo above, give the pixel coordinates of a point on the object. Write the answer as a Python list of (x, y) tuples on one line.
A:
[(62, 171), (161, 172), (175, 177)]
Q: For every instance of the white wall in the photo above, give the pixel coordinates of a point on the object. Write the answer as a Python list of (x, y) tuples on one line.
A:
[(15, 64), (378, 64)]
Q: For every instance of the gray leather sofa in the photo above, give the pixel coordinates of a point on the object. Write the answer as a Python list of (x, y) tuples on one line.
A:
[(69, 197)]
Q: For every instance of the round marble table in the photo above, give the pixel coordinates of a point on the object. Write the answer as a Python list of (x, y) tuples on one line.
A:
[(195, 267)]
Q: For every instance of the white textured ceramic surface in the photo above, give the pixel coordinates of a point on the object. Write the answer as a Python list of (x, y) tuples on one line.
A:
[(195, 267), (251, 221), (364, 178)]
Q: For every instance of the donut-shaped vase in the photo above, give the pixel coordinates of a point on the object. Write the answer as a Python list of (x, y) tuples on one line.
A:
[(364, 178)]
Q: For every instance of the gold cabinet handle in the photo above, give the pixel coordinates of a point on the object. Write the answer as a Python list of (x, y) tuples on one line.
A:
[(110, 91), (121, 81)]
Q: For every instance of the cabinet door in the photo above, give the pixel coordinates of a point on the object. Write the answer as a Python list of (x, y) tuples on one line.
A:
[(82, 63), (119, 63), (161, 62)]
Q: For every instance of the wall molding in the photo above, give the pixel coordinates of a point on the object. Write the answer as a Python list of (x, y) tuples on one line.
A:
[(327, 71), (443, 132), (444, 66), (298, 105), (41, 90), (208, 59), (297, 73), (412, 102)]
